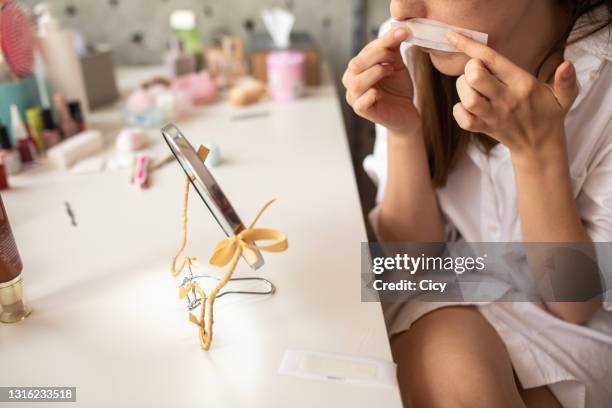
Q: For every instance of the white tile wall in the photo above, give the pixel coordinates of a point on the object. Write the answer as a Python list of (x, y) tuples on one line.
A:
[(122, 22)]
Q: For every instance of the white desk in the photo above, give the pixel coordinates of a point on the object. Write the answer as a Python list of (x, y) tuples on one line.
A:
[(107, 318)]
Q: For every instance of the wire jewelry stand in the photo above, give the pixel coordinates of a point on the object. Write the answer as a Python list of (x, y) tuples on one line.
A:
[(194, 300)]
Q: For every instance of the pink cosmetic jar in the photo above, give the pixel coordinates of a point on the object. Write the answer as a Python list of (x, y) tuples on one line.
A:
[(285, 74)]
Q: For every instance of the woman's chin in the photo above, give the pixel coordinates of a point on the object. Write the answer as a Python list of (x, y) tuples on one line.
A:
[(449, 63)]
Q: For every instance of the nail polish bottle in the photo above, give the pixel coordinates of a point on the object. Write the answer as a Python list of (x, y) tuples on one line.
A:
[(51, 133), (9, 157), (35, 124), (77, 115), (23, 141), (11, 285), (66, 123), (4, 185)]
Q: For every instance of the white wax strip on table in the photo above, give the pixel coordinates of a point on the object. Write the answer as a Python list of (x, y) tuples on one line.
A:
[(357, 370), (432, 34)]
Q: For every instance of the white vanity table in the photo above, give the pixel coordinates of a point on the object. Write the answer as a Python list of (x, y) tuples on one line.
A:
[(107, 318)]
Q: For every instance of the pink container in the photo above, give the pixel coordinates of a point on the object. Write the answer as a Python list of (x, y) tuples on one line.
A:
[(285, 75), (200, 87)]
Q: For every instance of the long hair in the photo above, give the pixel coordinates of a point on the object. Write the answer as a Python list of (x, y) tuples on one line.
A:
[(445, 141)]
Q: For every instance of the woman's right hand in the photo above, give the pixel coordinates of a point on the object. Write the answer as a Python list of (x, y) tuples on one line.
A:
[(379, 87)]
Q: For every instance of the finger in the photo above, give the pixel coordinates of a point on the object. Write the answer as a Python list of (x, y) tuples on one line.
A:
[(393, 38), (369, 57), (480, 78), (359, 84), (366, 101), (467, 120), (349, 98), (565, 85), (499, 65), (471, 100), (383, 49)]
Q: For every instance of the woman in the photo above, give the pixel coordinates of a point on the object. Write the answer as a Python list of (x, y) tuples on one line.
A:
[(506, 142)]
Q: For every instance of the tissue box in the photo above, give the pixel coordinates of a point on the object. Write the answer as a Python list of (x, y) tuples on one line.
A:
[(261, 43), (99, 76)]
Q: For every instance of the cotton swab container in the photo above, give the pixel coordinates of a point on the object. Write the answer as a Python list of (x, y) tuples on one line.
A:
[(286, 71)]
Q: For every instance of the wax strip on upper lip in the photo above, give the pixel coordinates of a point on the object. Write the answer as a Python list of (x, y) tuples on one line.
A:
[(432, 34)]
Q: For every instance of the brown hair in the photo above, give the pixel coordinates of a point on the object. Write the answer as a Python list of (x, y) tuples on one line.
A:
[(445, 141)]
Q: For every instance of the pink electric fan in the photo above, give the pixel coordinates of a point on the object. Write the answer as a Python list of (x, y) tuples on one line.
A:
[(17, 38)]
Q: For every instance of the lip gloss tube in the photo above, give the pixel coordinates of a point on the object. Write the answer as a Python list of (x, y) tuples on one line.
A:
[(13, 309)]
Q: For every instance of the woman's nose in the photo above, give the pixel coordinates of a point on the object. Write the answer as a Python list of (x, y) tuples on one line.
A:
[(405, 9)]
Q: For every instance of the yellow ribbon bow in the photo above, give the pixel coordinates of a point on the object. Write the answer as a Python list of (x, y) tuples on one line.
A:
[(227, 251)]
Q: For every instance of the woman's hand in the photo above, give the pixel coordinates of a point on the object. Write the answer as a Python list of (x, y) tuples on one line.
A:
[(528, 116), (504, 101), (379, 87)]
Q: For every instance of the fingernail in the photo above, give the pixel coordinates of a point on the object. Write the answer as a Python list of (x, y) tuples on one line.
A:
[(569, 71), (452, 38), (399, 33)]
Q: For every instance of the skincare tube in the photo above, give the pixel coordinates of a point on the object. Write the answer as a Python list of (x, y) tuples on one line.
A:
[(13, 309)]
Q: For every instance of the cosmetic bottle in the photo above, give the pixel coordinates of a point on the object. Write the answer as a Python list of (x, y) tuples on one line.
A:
[(35, 124), (66, 123), (62, 62), (51, 134), (178, 62), (23, 141), (185, 27), (74, 107), (9, 157), (11, 286), (4, 185)]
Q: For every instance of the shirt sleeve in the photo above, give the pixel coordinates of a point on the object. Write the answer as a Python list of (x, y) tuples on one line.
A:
[(375, 164), (595, 207)]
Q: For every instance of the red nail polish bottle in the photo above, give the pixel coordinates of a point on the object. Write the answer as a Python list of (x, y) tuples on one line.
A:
[(4, 185), (9, 157)]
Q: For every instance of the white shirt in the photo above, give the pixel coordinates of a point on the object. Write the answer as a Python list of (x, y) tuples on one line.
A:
[(479, 204), (479, 201)]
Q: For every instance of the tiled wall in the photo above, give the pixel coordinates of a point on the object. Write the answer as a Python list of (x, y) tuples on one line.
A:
[(139, 30)]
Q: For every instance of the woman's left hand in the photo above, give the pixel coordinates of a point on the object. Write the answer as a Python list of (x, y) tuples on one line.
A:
[(502, 100)]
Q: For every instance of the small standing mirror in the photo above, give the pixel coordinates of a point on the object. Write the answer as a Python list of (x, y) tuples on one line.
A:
[(206, 186)]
